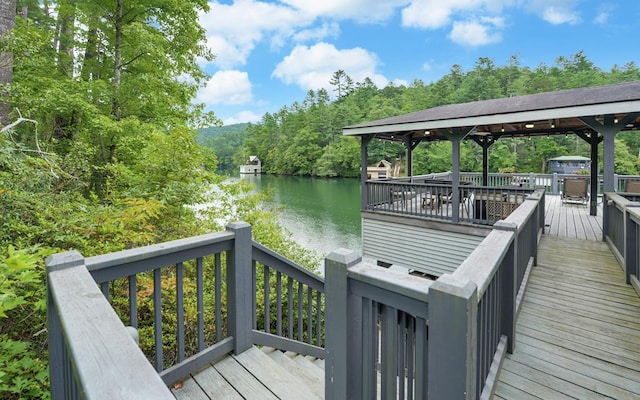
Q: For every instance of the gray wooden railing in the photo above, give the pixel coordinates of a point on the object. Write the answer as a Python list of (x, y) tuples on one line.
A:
[(621, 230), (433, 199), (408, 337), (189, 326)]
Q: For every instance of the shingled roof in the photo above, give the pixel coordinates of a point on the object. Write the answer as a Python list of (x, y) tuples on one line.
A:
[(550, 113)]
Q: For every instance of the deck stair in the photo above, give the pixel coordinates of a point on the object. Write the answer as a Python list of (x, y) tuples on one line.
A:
[(264, 373)]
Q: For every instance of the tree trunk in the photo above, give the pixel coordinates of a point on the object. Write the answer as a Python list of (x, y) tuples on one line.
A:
[(7, 22), (117, 59)]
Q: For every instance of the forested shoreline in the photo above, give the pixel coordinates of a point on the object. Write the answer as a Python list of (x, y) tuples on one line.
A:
[(98, 154), (305, 138)]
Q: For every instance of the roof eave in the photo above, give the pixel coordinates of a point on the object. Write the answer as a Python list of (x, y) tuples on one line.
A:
[(507, 118)]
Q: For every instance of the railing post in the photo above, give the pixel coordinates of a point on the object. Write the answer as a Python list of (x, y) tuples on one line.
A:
[(554, 184), (453, 313), (343, 369), (57, 351), (532, 180), (239, 288), (510, 284), (630, 244)]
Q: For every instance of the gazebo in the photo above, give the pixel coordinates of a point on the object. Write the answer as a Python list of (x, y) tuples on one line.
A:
[(595, 114)]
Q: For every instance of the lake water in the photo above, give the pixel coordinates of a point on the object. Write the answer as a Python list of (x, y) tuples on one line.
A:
[(322, 214)]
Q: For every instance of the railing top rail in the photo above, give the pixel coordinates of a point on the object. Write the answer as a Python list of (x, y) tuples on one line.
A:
[(155, 250), (481, 265), (122, 258), (278, 262), (98, 343), (399, 282)]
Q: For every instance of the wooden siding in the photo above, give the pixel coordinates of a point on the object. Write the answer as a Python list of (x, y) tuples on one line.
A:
[(578, 333), (424, 249)]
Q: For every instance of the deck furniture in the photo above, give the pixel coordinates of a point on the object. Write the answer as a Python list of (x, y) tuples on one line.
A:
[(575, 190), (632, 187)]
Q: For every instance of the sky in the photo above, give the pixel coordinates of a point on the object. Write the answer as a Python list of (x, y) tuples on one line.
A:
[(269, 54)]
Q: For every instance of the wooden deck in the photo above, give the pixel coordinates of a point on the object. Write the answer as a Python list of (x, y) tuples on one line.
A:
[(578, 333), (256, 374), (572, 220)]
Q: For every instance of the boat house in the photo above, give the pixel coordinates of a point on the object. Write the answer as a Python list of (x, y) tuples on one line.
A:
[(513, 294), (252, 166)]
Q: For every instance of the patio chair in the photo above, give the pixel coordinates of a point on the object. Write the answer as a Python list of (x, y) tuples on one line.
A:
[(575, 190)]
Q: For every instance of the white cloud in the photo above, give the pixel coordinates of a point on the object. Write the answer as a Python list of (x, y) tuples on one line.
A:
[(226, 87), (358, 10), (318, 33), (560, 15), (434, 14), (602, 18), (312, 67), (476, 33), (233, 30), (242, 117)]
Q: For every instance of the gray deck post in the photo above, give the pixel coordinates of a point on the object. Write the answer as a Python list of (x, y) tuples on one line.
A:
[(453, 314), (554, 184), (57, 350), (510, 284), (630, 244), (343, 374), (239, 288)]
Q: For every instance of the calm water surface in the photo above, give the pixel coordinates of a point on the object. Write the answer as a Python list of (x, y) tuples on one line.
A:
[(322, 214)]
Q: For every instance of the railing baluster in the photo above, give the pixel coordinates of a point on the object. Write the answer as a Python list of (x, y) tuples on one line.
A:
[(279, 303), (104, 287), (388, 342), (133, 301), (300, 307), (309, 315), (218, 297), (289, 307), (200, 302), (319, 319), (157, 317), (254, 294), (401, 327), (267, 300), (180, 310)]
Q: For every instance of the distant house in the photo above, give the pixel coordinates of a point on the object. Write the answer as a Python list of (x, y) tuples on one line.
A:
[(252, 166), (381, 170), (569, 165)]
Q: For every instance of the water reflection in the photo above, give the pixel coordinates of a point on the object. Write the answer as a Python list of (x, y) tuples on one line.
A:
[(322, 214)]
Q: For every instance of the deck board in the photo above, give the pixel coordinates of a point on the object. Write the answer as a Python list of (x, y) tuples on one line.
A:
[(578, 332), (572, 219)]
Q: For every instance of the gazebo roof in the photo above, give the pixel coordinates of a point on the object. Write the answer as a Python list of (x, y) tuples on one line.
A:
[(570, 158), (537, 114)]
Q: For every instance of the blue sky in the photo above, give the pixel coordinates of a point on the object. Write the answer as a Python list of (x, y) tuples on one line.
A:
[(268, 54)]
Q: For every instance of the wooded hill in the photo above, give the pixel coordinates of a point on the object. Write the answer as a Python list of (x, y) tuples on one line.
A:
[(305, 138)]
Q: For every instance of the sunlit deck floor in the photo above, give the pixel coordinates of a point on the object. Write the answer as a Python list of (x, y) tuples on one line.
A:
[(578, 333), (572, 220)]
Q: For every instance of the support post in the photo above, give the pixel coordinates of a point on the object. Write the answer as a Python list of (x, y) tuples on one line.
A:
[(239, 288), (453, 314), (554, 184), (364, 142), (510, 285), (593, 200), (343, 368), (630, 244)]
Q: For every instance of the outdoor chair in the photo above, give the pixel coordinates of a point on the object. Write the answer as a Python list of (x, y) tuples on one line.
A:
[(575, 190)]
